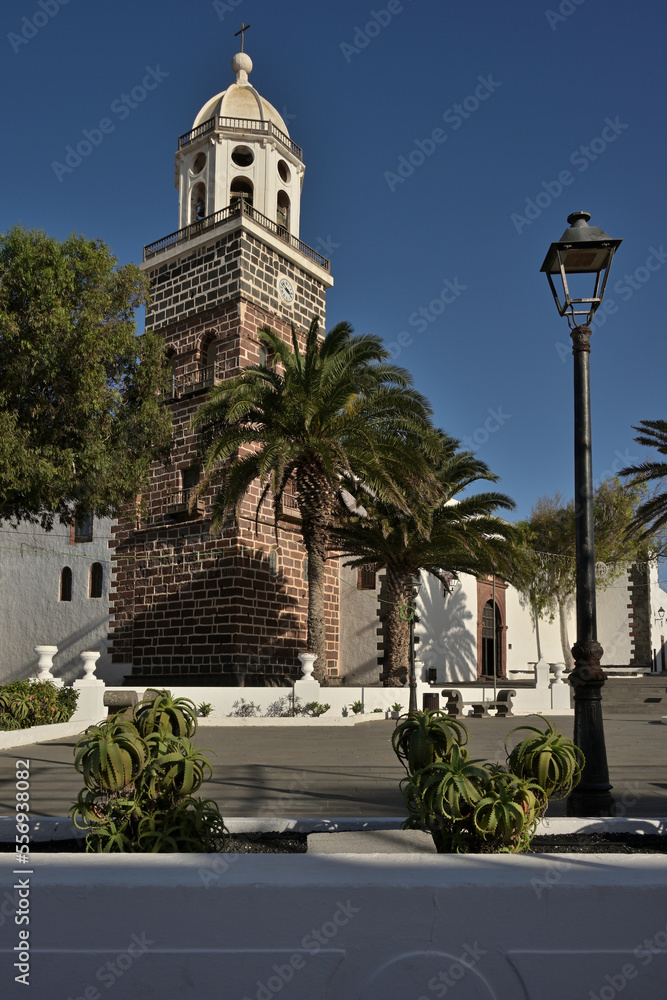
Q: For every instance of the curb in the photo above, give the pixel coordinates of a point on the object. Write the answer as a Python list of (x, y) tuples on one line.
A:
[(62, 828)]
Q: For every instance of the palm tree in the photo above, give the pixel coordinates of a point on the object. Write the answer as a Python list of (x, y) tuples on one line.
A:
[(336, 411), (455, 534), (651, 515)]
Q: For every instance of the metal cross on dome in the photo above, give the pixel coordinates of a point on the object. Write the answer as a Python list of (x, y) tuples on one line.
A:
[(244, 27)]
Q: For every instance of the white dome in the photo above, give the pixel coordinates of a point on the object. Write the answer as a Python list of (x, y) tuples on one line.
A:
[(240, 100)]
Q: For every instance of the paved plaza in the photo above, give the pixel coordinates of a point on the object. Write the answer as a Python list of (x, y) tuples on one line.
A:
[(321, 771)]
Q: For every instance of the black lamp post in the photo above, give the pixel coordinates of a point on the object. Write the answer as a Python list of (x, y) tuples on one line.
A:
[(582, 251)]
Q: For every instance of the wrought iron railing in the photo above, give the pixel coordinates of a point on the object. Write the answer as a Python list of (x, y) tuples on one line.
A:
[(178, 502), (195, 381), (239, 208), (241, 125)]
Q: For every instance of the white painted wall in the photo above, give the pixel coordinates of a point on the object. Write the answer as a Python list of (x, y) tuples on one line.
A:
[(448, 629), (658, 628), (246, 927), (31, 612)]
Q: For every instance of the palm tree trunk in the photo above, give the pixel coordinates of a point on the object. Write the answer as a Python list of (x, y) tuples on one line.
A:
[(317, 633), (564, 638), (394, 595), (536, 619), (315, 502)]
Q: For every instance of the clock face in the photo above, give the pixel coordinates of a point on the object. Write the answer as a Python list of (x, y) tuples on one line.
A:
[(285, 289)]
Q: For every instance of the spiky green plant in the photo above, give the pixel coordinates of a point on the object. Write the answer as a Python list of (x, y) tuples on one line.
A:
[(510, 811), (8, 722), (139, 793), (548, 758), (470, 807), (111, 755), (449, 787), (177, 716), (424, 737)]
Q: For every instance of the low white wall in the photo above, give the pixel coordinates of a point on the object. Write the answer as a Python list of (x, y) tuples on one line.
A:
[(375, 927), (90, 709), (554, 699), (42, 734)]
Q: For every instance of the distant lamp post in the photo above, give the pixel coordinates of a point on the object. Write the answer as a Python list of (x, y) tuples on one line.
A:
[(578, 267), (413, 583), (661, 614)]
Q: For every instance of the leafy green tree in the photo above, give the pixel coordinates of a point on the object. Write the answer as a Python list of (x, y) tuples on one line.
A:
[(455, 533), (548, 568), (80, 417), (337, 409)]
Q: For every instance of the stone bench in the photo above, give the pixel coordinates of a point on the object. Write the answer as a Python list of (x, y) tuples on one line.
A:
[(454, 704), (120, 701), (502, 705)]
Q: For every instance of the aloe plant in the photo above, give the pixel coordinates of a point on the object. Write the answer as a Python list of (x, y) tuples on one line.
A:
[(141, 775), (450, 787), (175, 766), (469, 806), (177, 716), (510, 812), (425, 737), (111, 755), (548, 758)]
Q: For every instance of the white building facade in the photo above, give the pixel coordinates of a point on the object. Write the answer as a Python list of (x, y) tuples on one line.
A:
[(455, 632), (54, 590)]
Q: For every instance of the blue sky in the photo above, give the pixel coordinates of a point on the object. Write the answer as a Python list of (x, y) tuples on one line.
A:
[(503, 118)]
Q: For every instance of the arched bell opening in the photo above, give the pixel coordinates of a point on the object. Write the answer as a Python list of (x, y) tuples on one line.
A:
[(198, 202), (283, 211), (241, 188)]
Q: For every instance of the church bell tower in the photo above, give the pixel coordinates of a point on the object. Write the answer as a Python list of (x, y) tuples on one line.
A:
[(190, 605)]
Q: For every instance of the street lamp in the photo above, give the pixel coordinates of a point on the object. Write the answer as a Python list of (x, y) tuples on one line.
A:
[(581, 258)]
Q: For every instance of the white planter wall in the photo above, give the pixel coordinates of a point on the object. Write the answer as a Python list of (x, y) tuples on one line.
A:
[(376, 927)]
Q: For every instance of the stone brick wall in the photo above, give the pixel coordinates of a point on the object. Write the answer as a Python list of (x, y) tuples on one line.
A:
[(186, 601), (192, 281), (639, 613)]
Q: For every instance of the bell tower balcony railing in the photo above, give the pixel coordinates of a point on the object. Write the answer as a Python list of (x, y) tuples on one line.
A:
[(195, 381), (221, 124), (177, 504), (239, 208)]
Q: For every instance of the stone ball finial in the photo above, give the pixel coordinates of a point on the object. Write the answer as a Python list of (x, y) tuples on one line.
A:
[(241, 65)]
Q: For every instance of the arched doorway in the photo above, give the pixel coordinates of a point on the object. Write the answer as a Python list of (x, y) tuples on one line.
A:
[(490, 623), (491, 630)]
